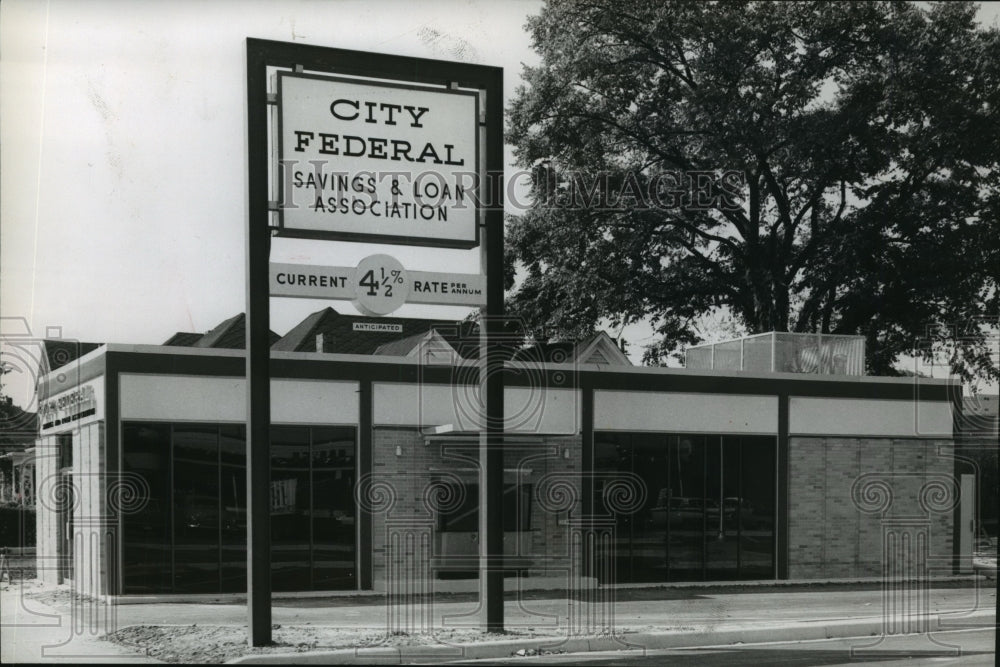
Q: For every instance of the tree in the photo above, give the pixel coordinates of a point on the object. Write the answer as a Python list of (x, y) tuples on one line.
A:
[(807, 166), (15, 423)]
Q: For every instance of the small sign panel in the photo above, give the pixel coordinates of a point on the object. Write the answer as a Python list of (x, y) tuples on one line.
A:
[(378, 285), (377, 327), (317, 282), (373, 161), (447, 289)]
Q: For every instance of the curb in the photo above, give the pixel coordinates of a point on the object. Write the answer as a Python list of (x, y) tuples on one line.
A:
[(638, 642)]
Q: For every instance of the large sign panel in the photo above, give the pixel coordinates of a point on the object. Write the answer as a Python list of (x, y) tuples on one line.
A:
[(369, 161)]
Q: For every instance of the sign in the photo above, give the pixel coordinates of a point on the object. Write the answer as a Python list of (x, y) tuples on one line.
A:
[(378, 285), (378, 327), (71, 406), (431, 136), (373, 161), (312, 282)]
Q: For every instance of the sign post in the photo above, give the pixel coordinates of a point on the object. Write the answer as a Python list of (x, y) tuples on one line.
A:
[(491, 521), (258, 353), (376, 148)]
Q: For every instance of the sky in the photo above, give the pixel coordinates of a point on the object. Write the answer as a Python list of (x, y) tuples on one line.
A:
[(123, 154), (122, 126)]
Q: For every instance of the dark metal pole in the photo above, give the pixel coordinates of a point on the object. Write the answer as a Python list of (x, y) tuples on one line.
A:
[(258, 356), (491, 520)]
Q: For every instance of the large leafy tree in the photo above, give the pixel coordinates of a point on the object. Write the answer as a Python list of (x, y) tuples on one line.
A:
[(806, 166)]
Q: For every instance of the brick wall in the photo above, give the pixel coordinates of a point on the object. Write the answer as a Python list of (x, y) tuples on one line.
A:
[(417, 465), (829, 536)]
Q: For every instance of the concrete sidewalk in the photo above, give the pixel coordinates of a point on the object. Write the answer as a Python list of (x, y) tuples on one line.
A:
[(641, 618), (32, 631)]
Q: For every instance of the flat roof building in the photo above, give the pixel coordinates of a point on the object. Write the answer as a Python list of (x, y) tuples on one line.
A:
[(669, 475)]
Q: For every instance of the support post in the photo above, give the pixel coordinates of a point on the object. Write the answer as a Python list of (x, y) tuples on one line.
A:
[(258, 357), (491, 383)]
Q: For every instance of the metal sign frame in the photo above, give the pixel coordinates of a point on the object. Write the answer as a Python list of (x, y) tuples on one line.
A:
[(260, 55)]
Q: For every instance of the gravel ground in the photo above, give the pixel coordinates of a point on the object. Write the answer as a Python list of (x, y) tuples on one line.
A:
[(217, 644)]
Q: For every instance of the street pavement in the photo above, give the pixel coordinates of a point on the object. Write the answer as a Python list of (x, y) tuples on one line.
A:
[(652, 618), (968, 648)]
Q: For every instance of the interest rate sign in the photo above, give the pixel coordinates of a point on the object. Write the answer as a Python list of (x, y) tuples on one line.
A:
[(367, 161), (378, 285)]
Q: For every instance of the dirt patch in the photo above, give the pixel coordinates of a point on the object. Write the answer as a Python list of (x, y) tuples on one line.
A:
[(60, 598), (217, 644)]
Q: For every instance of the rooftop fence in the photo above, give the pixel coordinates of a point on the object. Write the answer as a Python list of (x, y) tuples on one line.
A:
[(782, 352)]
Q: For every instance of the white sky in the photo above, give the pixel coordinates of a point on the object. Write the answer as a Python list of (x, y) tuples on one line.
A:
[(122, 171), (122, 126)]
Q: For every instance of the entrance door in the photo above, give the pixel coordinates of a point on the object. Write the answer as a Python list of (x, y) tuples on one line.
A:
[(65, 518)]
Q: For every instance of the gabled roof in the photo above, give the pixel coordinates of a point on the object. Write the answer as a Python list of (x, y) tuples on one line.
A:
[(183, 339), (58, 353), (601, 349), (597, 349), (558, 352), (429, 345), (229, 334), (403, 346), (350, 334)]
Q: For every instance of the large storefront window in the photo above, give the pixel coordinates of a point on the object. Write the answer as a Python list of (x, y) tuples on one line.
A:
[(147, 544), (191, 535), (708, 512)]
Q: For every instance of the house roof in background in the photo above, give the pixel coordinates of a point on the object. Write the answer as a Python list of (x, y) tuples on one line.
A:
[(183, 339), (403, 346), (597, 349), (229, 334), (355, 334), (390, 336)]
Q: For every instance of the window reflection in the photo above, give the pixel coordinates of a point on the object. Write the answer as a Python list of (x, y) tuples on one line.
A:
[(708, 512), (196, 508), (146, 543), (191, 534)]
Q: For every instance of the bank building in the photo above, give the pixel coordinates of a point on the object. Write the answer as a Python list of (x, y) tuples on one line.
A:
[(771, 457)]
